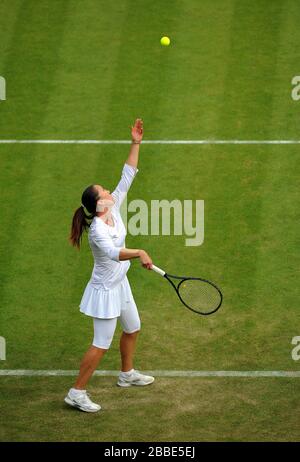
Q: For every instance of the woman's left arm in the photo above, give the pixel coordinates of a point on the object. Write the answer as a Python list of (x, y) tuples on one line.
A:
[(128, 173), (137, 136)]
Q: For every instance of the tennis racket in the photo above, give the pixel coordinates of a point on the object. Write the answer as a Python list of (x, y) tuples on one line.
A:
[(198, 295)]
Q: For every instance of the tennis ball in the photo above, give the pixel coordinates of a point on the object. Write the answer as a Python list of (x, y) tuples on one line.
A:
[(165, 41)]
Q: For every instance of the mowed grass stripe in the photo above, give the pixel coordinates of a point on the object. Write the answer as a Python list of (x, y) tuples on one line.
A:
[(238, 189), (197, 63), (276, 291), (35, 47), (22, 51), (276, 294), (32, 105), (244, 80), (8, 16), (142, 69), (84, 81), (251, 62), (27, 102), (284, 118), (278, 260)]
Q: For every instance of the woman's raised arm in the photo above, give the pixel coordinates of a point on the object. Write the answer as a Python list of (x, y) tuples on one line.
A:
[(137, 136), (130, 167)]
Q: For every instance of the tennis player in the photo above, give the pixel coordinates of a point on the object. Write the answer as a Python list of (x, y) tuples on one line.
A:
[(107, 296)]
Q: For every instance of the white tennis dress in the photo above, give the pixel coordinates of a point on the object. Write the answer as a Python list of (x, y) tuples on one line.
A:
[(108, 291)]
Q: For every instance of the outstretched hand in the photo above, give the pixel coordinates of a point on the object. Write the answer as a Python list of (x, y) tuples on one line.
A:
[(137, 130)]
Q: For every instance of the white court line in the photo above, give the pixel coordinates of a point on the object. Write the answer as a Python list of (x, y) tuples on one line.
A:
[(150, 142), (64, 373)]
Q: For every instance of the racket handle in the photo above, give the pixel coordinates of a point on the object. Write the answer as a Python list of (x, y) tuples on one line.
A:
[(158, 270)]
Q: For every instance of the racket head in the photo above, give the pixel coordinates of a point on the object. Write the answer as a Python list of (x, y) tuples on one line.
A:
[(199, 295)]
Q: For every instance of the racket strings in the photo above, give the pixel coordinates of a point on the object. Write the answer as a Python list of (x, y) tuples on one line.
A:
[(199, 295)]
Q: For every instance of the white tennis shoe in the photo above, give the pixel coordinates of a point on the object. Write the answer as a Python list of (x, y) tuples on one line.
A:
[(135, 378), (82, 401)]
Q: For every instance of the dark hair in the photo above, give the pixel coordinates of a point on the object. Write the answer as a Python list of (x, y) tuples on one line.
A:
[(79, 222)]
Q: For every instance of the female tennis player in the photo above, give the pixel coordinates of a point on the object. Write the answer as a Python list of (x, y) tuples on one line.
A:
[(107, 295)]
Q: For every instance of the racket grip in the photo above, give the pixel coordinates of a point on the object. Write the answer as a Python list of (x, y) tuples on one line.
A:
[(158, 270)]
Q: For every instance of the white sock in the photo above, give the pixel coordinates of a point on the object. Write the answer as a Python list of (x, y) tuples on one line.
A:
[(76, 392), (127, 373)]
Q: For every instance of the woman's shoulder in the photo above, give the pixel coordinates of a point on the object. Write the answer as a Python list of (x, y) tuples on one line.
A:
[(97, 225)]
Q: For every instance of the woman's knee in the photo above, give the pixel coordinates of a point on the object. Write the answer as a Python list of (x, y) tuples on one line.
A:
[(131, 326), (102, 345), (100, 350), (134, 332)]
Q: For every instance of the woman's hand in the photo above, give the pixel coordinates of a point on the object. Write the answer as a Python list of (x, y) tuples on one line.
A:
[(137, 131), (145, 260)]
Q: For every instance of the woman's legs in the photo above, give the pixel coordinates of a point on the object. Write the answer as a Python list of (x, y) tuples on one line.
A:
[(128, 375), (89, 363), (103, 334), (131, 324), (104, 330), (127, 349)]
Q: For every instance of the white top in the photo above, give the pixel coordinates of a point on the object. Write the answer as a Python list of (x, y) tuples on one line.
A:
[(106, 241)]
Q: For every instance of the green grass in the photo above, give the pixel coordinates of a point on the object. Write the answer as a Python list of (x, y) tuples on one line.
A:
[(81, 70), (199, 410)]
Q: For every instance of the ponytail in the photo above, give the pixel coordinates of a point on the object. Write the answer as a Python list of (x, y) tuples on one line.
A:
[(80, 221)]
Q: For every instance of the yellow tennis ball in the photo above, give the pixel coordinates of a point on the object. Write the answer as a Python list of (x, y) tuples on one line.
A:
[(165, 41)]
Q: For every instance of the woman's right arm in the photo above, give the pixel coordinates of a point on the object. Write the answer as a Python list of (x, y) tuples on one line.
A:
[(128, 254), (104, 243)]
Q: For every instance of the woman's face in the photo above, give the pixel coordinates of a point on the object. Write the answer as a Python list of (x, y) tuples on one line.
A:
[(103, 193)]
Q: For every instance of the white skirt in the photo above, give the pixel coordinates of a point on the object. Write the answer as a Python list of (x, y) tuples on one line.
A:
[(107, 304)]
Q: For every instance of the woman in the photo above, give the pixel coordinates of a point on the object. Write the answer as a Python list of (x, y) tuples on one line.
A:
[(107, 295)]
